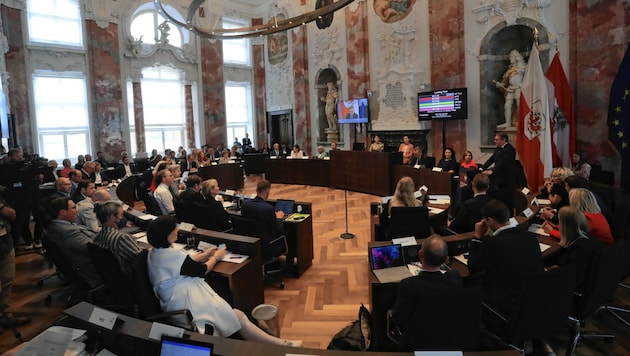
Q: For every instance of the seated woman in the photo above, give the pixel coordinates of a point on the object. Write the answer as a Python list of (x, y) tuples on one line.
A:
[(235, 153), (579, 247), (403, 196), (406, 148), (377, 145), (178, 281), (158, 167), (296, 152), (265, 148), (558, 175), (584, 201), (202, 159), (467, 169), (225, 157), (579, 165), (448, 163), (210, 191), (558, 198)]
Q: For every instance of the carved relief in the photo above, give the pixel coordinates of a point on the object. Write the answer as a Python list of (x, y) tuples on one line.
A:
[(102, 12), (508, 10), (397, 108), (279, 94), (390, 11), (57, 60), (328, 47), (397, 48)]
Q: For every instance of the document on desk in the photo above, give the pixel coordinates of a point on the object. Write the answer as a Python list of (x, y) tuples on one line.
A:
[(405, 241), (435, 210), (543, 247), (297, 217), (234, 258), (147, 217), (55, 341), (439, 199), (438, 353), (462, 258), (537, 229)]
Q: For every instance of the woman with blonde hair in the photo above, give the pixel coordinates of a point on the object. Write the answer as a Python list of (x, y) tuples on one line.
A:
[(579, 247), (583, 200), (404, 195)]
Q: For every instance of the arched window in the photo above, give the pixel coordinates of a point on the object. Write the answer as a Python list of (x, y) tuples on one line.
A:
[(145, 25)]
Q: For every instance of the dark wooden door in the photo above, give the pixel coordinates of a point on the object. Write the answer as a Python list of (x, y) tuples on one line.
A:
[(280, 126)]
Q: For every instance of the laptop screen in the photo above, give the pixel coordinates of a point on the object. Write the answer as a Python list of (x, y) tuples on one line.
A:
[(174, 346), (386, 256), (285, 206)]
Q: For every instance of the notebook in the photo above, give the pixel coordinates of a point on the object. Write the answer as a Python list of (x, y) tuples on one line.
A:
[(174, 346), (388, 263), (286, 206)]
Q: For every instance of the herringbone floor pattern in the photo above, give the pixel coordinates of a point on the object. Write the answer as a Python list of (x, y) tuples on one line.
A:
[(328, 295)]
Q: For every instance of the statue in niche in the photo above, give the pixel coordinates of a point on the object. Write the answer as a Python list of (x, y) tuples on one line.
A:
[(331, 98), (164, 32), (510, 86)]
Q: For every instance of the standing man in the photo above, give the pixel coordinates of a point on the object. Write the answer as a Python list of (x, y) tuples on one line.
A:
[(7, 262), (247, 143), (502, 175)]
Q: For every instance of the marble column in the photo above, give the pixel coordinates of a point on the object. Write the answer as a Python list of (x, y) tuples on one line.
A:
[(301, 118), (448, 67), (103, 54), (260, 112), (602, 32), (358, 52), (16, 68), (138, 114), (190, 118), (213, 89)]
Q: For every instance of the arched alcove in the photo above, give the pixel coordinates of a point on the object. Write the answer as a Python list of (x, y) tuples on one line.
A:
[(325, 75), (494, 61)]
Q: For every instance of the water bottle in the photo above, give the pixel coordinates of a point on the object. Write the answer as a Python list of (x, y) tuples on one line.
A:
[(379, 208)]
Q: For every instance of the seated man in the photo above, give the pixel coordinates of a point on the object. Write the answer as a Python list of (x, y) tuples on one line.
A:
[(85, 210), (85, 189), (469, 212), (99, 177), (162, 193), (418, 158), (127, 168), (123, 247), (267, 220), (321, 154), (432, 255), (192, 193), (72, 239), (506, 257)]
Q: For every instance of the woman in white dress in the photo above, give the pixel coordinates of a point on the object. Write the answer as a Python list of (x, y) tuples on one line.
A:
[(178, 281)]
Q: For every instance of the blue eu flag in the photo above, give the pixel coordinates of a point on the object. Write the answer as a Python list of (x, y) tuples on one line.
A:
[(619, 114)]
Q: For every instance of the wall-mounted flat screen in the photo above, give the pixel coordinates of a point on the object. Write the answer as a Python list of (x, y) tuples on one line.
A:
[(443, 104), (353, 111)]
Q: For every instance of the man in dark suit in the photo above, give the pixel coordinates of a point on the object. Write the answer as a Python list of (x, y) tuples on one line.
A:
[(72, 239), (275, 152), (192, 193), (351, 114), (267, 219), (502, 175), (432, 255), (99, 177), (50, 174), (85, 189), (506, 257), (87, 170), (189, 163), (75, 177), (127, 168), (469, 212), (417, 158)]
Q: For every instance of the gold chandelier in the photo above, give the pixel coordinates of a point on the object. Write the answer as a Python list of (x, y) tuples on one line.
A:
[(277, 25)]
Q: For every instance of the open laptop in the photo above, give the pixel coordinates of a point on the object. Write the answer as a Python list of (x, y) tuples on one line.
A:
[(286, 206), (388, 263), (175, 346)]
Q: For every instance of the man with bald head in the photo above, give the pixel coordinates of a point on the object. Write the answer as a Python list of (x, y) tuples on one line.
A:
[(431, 278), (85, 210)]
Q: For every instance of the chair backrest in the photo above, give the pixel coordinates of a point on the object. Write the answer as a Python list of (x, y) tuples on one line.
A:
[(115, 280), (244, 226), (181, 212), (358, 146), (73, 275), (143, 294), (152, 205), (409, 221), (202, 216), (606, 272), (462, 305), (544, 306)]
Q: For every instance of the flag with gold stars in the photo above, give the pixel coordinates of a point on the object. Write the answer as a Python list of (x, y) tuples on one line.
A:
[(619, 114)]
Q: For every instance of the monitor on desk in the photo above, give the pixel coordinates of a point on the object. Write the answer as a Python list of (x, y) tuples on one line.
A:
[(175, 346), (286, 206), (387, 256)]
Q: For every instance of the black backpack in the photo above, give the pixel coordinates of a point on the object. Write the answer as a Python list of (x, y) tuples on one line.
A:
[(356, 336)]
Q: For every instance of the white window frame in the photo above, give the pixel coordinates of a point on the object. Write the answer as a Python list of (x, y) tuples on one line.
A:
[(232, 125), (244, 43), (59, 20)]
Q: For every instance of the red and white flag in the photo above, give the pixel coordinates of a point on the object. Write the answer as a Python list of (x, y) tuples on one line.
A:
[(533, 135), (562, 119)]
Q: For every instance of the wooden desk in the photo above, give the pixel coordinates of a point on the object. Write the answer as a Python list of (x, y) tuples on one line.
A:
[(367, 172), (131, 336), (377, 231), (437, 182), (229, 176), (298, 171)]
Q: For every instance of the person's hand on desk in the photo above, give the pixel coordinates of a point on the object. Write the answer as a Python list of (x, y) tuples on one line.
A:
[(548, 226), (547, 213), (279, 214)]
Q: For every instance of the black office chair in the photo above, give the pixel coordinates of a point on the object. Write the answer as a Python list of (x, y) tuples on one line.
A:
[(455, 322), (542, 311), (148, 304), (181, 212), (82, 290), (115, 280), (151, 205), (602, 284), (409, 221), (358, 146)]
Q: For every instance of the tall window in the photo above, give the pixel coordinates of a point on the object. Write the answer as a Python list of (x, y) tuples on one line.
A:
[(238, 110), (146, 22), (236, 51), (61, 113), (163, 102), (55, 22)]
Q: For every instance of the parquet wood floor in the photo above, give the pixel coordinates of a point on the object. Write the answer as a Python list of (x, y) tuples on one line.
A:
[(312, 308)]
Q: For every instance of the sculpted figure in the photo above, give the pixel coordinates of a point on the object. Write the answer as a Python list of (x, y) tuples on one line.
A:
[(331, 106), (510, 85)]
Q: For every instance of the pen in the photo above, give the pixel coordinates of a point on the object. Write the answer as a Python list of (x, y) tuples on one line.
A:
[(234, 258)]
